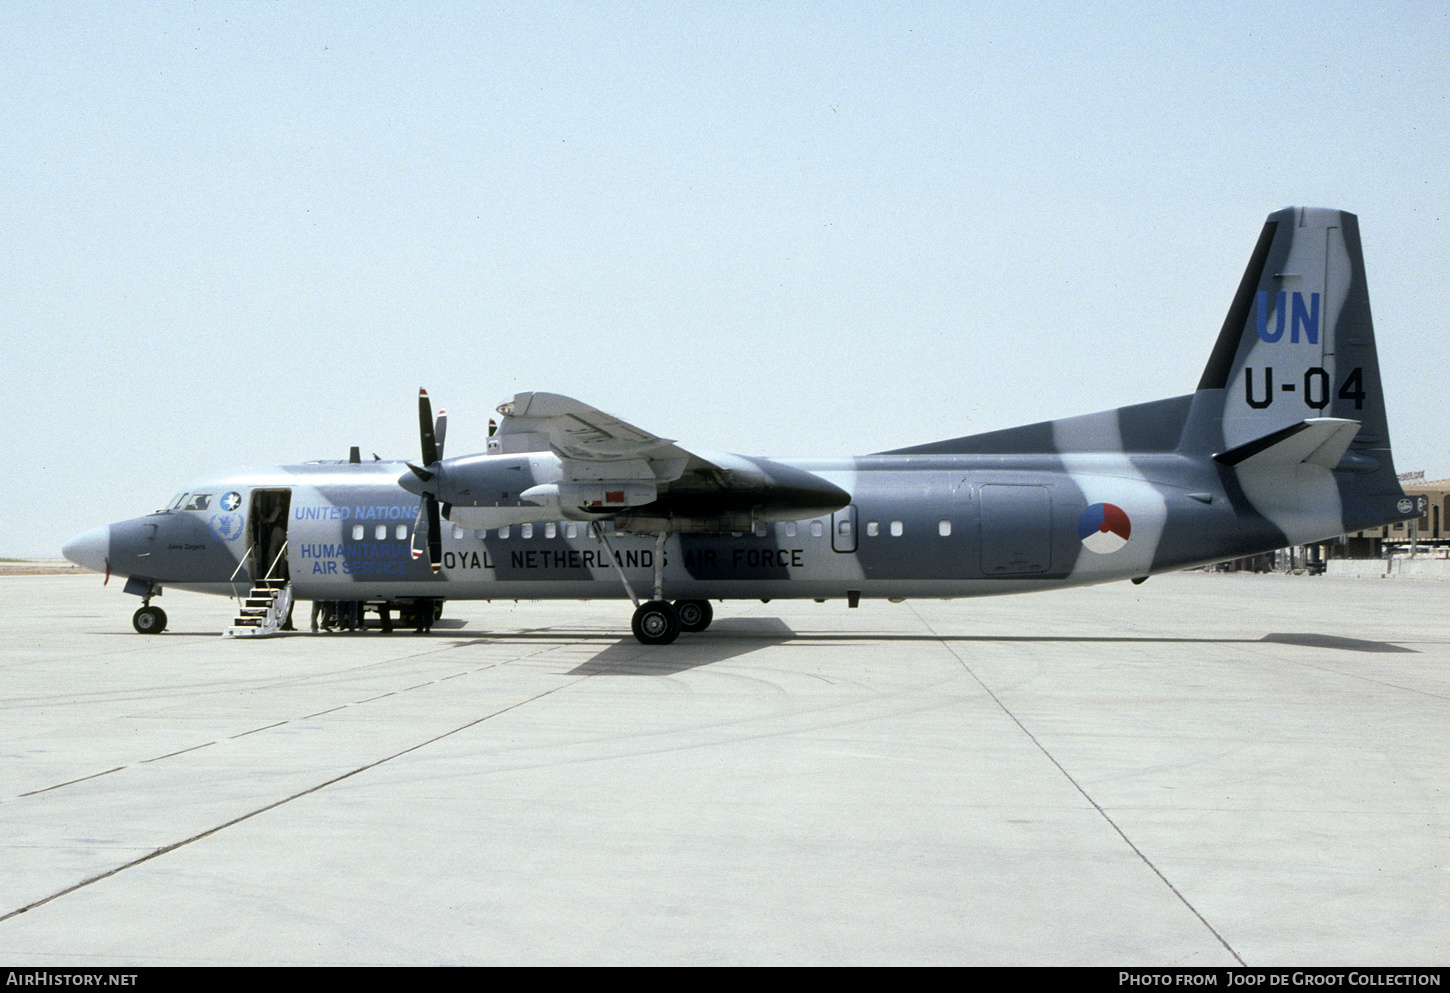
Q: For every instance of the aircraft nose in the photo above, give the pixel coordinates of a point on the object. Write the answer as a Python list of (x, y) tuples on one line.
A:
[(89, 550)]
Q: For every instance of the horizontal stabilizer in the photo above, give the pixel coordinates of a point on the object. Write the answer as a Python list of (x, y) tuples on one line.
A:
[(1318, 441)]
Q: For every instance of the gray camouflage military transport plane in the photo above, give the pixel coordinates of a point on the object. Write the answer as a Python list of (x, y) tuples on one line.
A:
[(1284, 442)]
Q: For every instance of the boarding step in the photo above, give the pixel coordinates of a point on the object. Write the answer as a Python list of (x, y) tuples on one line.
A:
[(262, 612)]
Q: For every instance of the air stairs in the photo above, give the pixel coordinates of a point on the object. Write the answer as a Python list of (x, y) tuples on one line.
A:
[(263, 611)]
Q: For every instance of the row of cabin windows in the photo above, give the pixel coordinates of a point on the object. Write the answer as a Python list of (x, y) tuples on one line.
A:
[(570, 529), (790, 529), (873, 528), (380, 532), (551, 530)]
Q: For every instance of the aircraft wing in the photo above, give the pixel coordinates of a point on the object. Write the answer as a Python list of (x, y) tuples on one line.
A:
[(590, 443), (650, 482)]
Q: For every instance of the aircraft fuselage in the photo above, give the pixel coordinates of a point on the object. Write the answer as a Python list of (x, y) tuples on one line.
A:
[(917, 525)]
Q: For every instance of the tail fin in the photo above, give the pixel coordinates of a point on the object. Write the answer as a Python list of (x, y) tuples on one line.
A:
[(1298, 346)]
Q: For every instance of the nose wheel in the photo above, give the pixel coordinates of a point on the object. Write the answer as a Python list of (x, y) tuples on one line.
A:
[(149, 620)]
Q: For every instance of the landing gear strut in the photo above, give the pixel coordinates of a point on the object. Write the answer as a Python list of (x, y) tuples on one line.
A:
[(657, 621)]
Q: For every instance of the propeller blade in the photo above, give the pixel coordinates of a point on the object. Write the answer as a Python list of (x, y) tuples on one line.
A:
[(425, 428), (420, 527), (427, 528), (435, 534)]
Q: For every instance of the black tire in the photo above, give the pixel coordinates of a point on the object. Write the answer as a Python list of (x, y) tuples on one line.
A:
[(656, 623), (149, 620), (695, 615)]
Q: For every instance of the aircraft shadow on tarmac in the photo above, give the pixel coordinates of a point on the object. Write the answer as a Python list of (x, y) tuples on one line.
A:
[(1315, 640), (727, 638), (731, 638), (735, 636)]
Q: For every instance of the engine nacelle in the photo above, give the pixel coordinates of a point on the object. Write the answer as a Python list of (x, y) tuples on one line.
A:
[(590, 501)]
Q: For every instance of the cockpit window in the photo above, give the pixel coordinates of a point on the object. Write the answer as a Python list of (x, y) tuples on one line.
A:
[(198, 501), (176, 501)]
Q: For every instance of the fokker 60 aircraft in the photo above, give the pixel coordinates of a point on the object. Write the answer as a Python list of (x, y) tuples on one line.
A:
[(1283, 442)]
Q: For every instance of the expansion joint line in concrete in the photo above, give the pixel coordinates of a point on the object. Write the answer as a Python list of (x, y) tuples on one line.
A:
[(157, 853), (1086, 796)]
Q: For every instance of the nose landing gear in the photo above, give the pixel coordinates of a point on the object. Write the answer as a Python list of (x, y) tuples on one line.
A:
[(149, 620)]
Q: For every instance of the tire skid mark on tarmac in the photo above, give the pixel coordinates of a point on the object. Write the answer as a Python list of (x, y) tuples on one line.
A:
[(165, 849), (266, 727)]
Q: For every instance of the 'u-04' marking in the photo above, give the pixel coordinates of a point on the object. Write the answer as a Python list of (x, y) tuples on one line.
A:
[(1315, 391)]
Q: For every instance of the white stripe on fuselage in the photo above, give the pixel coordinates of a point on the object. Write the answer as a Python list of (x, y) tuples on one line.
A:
[(1107, 475)]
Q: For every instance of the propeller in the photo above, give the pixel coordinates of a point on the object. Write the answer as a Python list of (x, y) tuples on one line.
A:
[(428, 524)]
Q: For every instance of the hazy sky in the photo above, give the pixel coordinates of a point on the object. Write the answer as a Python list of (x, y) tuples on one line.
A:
[(246, 233)]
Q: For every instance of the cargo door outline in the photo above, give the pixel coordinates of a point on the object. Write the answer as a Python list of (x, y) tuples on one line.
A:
[(1015, 529)]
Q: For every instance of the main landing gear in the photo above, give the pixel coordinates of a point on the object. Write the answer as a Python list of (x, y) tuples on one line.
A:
[(695, 615), (660, 622), (657, 621)]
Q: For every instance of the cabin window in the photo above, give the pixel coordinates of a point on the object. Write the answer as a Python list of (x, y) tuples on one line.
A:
[(380, 533), (873, 528), (526, 531), (844, 528), (357, 532), (457, 532), (503, 532), (551, 530), (400, 532), (816, 529), (790, 529), (571, 530), (760, 530), (481, 533), (896, 529), (943, 528)]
